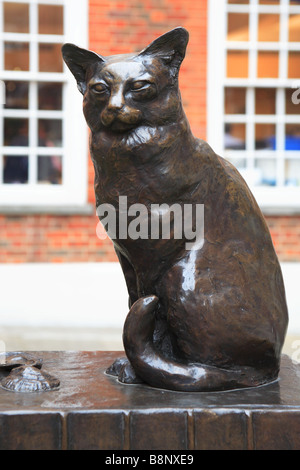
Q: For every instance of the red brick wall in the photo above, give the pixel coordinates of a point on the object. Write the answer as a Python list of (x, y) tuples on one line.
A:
[(120, 27), (285, 233), (47, 238)]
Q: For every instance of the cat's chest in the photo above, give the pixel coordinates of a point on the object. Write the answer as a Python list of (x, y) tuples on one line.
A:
[(137, 177)]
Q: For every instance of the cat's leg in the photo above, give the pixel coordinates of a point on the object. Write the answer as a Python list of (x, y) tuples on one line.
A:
[(121, 367), (130, 277)]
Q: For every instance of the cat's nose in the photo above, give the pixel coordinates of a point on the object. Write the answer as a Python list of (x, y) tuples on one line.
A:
[(113, 108), (116, 101)]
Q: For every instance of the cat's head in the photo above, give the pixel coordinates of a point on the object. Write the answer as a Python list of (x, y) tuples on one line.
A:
[(123, 92)]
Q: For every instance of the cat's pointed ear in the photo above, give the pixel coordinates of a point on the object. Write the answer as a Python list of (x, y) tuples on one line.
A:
[(170, 48), (79, 60)]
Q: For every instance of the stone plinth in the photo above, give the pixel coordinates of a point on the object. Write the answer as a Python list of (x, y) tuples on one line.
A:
[(91, 410)]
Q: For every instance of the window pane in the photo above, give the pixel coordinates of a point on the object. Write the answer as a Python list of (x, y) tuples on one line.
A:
[(265, 136), (239, 163), (252, 176), (238, 27), (50, 96), (16, 17), (268, 27), (16, 95), (50, 59), (235, 100), (15, 132), (49, 169), (292, 101), (294, 65), (16, 56), (237, 64), (235, 136), (294, 28), (265, 101), (15, 169), (267, 171), (50, 132), (292, 137), (267, 64), (51, 19), (292, 172)]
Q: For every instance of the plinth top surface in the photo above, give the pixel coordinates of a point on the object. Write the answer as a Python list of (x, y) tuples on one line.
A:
[(85, 386)]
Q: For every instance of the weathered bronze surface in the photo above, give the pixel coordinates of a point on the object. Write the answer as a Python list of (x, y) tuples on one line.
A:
[(92, 410), (213, 317)]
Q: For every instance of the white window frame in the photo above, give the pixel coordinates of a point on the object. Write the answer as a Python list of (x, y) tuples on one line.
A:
[(271, 199), (73, 190)]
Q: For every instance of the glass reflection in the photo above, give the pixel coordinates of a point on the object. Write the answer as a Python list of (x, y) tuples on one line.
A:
[(237, 64), (294, 64), (15, 132), (16, 56), (235, 136), (267, 64), (49, 169), (292, 172), (50, 96), (51, 19), (292, 101), (292, 137), (267, 171), (50, 59), (235, 100), (294, 28), (15, 169), (268, 27), (265, 101), (50, 132), (265, 136), (238, 27), (269, 2), (16, 95), (16, 17)]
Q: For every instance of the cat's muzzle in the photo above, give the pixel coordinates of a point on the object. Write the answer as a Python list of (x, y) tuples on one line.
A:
[(120, 121)]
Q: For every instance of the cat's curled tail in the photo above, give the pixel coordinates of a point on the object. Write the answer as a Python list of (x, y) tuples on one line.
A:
[(158, 371)]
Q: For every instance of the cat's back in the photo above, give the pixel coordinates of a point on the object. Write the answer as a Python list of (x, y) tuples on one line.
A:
[(227, 197)]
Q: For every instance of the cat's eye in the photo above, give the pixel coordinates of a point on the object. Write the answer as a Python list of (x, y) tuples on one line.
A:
[(140, 85), (99, 88), (142, 90)]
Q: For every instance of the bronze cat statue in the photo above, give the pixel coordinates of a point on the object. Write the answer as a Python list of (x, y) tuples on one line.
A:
[(209, 318)]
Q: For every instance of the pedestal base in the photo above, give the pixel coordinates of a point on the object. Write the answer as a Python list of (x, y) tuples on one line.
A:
[(91, 410)]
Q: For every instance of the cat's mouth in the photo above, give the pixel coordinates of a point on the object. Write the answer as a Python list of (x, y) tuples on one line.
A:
[(119, 127), (120, 122)]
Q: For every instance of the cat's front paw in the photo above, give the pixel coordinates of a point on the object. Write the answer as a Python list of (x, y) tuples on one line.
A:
[(127, 375), (116, 366), (122, 369)]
